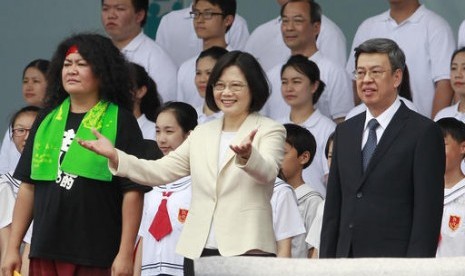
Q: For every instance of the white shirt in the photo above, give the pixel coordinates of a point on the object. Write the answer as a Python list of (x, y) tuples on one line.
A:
[(331, 42), (203, 118), (186, 90), (308, 201), (8, 191), (452, 241), (336, 100), (160, 256), (158, 64), (147, 127), (314, 233), (9, 154), (177, 36), (461, 35), (450, 111), (321, 128), (427, 41), (362, 107), (287, 221), (383, 120)]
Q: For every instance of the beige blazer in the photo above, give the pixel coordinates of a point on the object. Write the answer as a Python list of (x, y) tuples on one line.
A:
[(237, 195)]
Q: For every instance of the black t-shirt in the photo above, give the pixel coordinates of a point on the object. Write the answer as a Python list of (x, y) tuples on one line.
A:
[(77, 219)]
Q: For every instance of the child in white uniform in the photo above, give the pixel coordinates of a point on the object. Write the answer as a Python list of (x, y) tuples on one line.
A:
[(20, 125), (452, 239), (299, 152), (173, 124), (314, 233), (287, 223)]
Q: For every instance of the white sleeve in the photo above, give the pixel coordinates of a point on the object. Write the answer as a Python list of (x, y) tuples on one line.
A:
[(313, 236), (238, 35), (461, 35), (332, 42), (287, 221), (441, 46)]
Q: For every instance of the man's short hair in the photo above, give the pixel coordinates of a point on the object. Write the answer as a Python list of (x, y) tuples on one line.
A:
[(382, 46)]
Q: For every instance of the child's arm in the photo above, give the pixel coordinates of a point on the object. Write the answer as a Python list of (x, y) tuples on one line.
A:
[(138, 258), (284, 248), (22, 217), (132, 213)]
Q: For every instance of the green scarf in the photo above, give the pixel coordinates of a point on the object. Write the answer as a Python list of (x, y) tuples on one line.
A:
[(78, 160)]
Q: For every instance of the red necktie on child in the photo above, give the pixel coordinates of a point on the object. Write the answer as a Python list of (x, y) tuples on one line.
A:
[(161, 224)]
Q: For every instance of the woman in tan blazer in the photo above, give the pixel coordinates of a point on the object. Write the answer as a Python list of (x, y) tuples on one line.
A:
[(233, 162)]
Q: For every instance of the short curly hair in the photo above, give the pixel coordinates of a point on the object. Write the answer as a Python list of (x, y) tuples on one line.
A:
[(106, 62)]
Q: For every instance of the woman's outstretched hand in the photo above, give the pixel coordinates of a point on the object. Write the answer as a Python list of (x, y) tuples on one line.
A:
[(244, 149), (101, 146)]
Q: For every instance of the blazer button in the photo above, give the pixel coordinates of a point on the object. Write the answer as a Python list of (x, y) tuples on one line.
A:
[(351, 226), (359, 195)]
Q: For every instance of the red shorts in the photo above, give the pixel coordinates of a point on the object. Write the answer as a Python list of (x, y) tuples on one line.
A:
[(43, 267)]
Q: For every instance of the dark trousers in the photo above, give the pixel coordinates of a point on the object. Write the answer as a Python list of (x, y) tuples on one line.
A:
[(189, 263)]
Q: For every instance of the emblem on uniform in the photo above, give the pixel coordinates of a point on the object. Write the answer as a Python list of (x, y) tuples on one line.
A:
[(454, 222), (182, 214)]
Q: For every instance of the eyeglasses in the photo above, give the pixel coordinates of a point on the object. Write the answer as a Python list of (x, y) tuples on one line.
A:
[(373, 74), (206, 15), (233, 86), (19, 132)]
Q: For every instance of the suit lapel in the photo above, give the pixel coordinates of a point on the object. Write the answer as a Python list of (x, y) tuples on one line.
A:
[(354, 144), (389, 136), (247, 126)]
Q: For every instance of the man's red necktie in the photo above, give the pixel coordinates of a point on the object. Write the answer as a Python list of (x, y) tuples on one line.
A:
[(161, 224)]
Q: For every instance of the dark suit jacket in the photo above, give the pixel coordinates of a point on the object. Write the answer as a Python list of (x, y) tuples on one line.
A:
[(394, 209)]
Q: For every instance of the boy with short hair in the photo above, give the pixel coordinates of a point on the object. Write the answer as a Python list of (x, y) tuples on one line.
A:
[(299, 151), (452, 240)]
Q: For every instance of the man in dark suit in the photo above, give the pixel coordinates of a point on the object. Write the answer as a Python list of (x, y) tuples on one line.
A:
[(385, 187)]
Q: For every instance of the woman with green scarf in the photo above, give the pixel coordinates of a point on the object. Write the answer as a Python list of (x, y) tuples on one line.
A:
[(85, 219)]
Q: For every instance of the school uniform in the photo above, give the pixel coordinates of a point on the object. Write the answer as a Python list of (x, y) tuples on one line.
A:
[(452, 239), (159, 257)]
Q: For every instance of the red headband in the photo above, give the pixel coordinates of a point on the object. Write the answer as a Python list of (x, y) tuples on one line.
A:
[(73, 49)]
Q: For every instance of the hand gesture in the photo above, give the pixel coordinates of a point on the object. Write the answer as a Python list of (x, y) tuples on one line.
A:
[(244, 149), (101, 146)]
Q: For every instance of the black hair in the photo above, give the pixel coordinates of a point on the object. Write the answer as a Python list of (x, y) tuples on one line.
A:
[(185, 114), (315, 9), (150, 102), (302, 140), (40, 64), (254, 75), (227, 7), (26, 109), (106, 62), (140, 5), (328, 143), (452, 127), (214, 52), (404, 89), (309, 69), (458, 51)]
